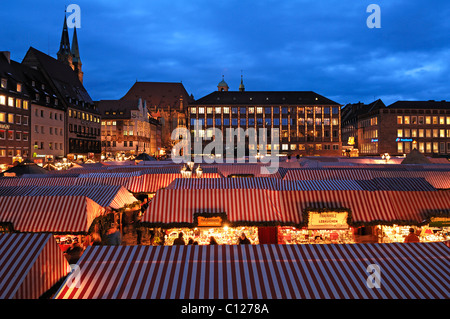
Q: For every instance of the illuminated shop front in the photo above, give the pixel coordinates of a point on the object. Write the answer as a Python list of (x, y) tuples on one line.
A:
[(323, 227), (207, 225)]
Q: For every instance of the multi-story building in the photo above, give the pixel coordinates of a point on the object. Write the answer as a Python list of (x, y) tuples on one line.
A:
[(64, 76), (360, 126), (401, 127), (308, 123), (47, 120), (126, 129), (14, 111), (167, 101)]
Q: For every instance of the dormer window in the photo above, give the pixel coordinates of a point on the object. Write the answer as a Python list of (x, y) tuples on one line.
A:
[(19, 87), (33, 83), (43, 86), (4, 83)]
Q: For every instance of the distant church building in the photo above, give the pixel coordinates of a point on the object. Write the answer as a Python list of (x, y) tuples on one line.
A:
[(70, 55)]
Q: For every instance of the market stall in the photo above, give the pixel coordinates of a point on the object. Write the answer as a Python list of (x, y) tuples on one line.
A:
[(202, 213), (67, 217), (324, 226), (31, 265), (321, 272)]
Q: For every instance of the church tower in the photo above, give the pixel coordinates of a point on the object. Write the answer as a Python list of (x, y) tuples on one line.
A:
[(64, 55), (76, 61)]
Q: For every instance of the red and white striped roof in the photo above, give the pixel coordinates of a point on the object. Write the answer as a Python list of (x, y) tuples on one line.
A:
[(328, 174), (59, 214), (365, 206), (114, 196), (407, 271), (30, 264), (171, 206), (150, 183)]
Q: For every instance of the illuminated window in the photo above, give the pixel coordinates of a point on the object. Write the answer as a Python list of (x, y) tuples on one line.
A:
[(400, 147), (201, 110), (218, 110), (193, 110), (435, 120), (11, 101), (406, 120), (427, 119), (399, 119), (259, 110), (400, 133)]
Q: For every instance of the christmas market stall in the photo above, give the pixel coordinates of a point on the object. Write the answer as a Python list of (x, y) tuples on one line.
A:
[(408, 271), (31, 265), (427, 213), (67, 217), (204, 213)]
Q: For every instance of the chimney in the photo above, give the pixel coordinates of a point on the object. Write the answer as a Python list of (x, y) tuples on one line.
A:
[(7, 55)]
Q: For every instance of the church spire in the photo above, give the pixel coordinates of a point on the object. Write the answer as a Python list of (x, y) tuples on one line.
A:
[(64, 47), (75, 51), (241, 86)]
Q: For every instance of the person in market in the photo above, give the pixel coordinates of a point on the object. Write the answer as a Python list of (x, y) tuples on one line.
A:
[(190, 241), (412, 237), (243, 240), (73, 253), (212, 241), (113, 236), (179, 240)]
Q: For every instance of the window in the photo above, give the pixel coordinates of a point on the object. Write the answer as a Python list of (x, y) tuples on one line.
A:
[(209, 110), (251, 110), (4, 83), (435, 120), (427, 119), (218, 110), (18, 119), (399, 147), (268, 110), (11, 102), (420, 120), (193, 110), (10, 135), (285, 147), (18, 103), (201, 110), (441, 133), (301, 147), (406, 120), (18, 136), (335, 110), (10, 118), (268, 121), (2, 99), (2, 116), (243, 111), (318, 147), (259, 110), (226, 121), (243, 122), (226, 110), (218, 121), (400, 133), (442, 120), (413, 119), (399, 119)]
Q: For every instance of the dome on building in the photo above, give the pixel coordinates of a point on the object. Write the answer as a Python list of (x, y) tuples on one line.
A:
[(222, 86)]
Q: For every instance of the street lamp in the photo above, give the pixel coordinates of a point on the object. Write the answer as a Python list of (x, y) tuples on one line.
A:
[(386, 157), (186, 171)]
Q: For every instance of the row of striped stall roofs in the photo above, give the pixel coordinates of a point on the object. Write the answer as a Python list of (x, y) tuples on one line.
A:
[(31, 265), (149, 180)]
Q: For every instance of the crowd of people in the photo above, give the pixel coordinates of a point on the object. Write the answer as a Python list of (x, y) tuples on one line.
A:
[(243, 240)]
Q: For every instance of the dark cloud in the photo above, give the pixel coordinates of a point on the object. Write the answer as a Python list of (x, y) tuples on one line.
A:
[(323, 46)]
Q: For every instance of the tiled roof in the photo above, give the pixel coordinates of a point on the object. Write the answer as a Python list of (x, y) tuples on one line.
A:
[(265, 98), (160, 95)]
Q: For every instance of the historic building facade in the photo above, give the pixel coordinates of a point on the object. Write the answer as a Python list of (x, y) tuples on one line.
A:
[(127, 129), (14, 111), (398, 128)]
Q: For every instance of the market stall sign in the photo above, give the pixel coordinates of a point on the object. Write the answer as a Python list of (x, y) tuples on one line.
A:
[(439, 222), (327, 220), (215, 221)]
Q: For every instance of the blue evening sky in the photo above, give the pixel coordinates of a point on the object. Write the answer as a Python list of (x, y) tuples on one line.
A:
[(322, 46)]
